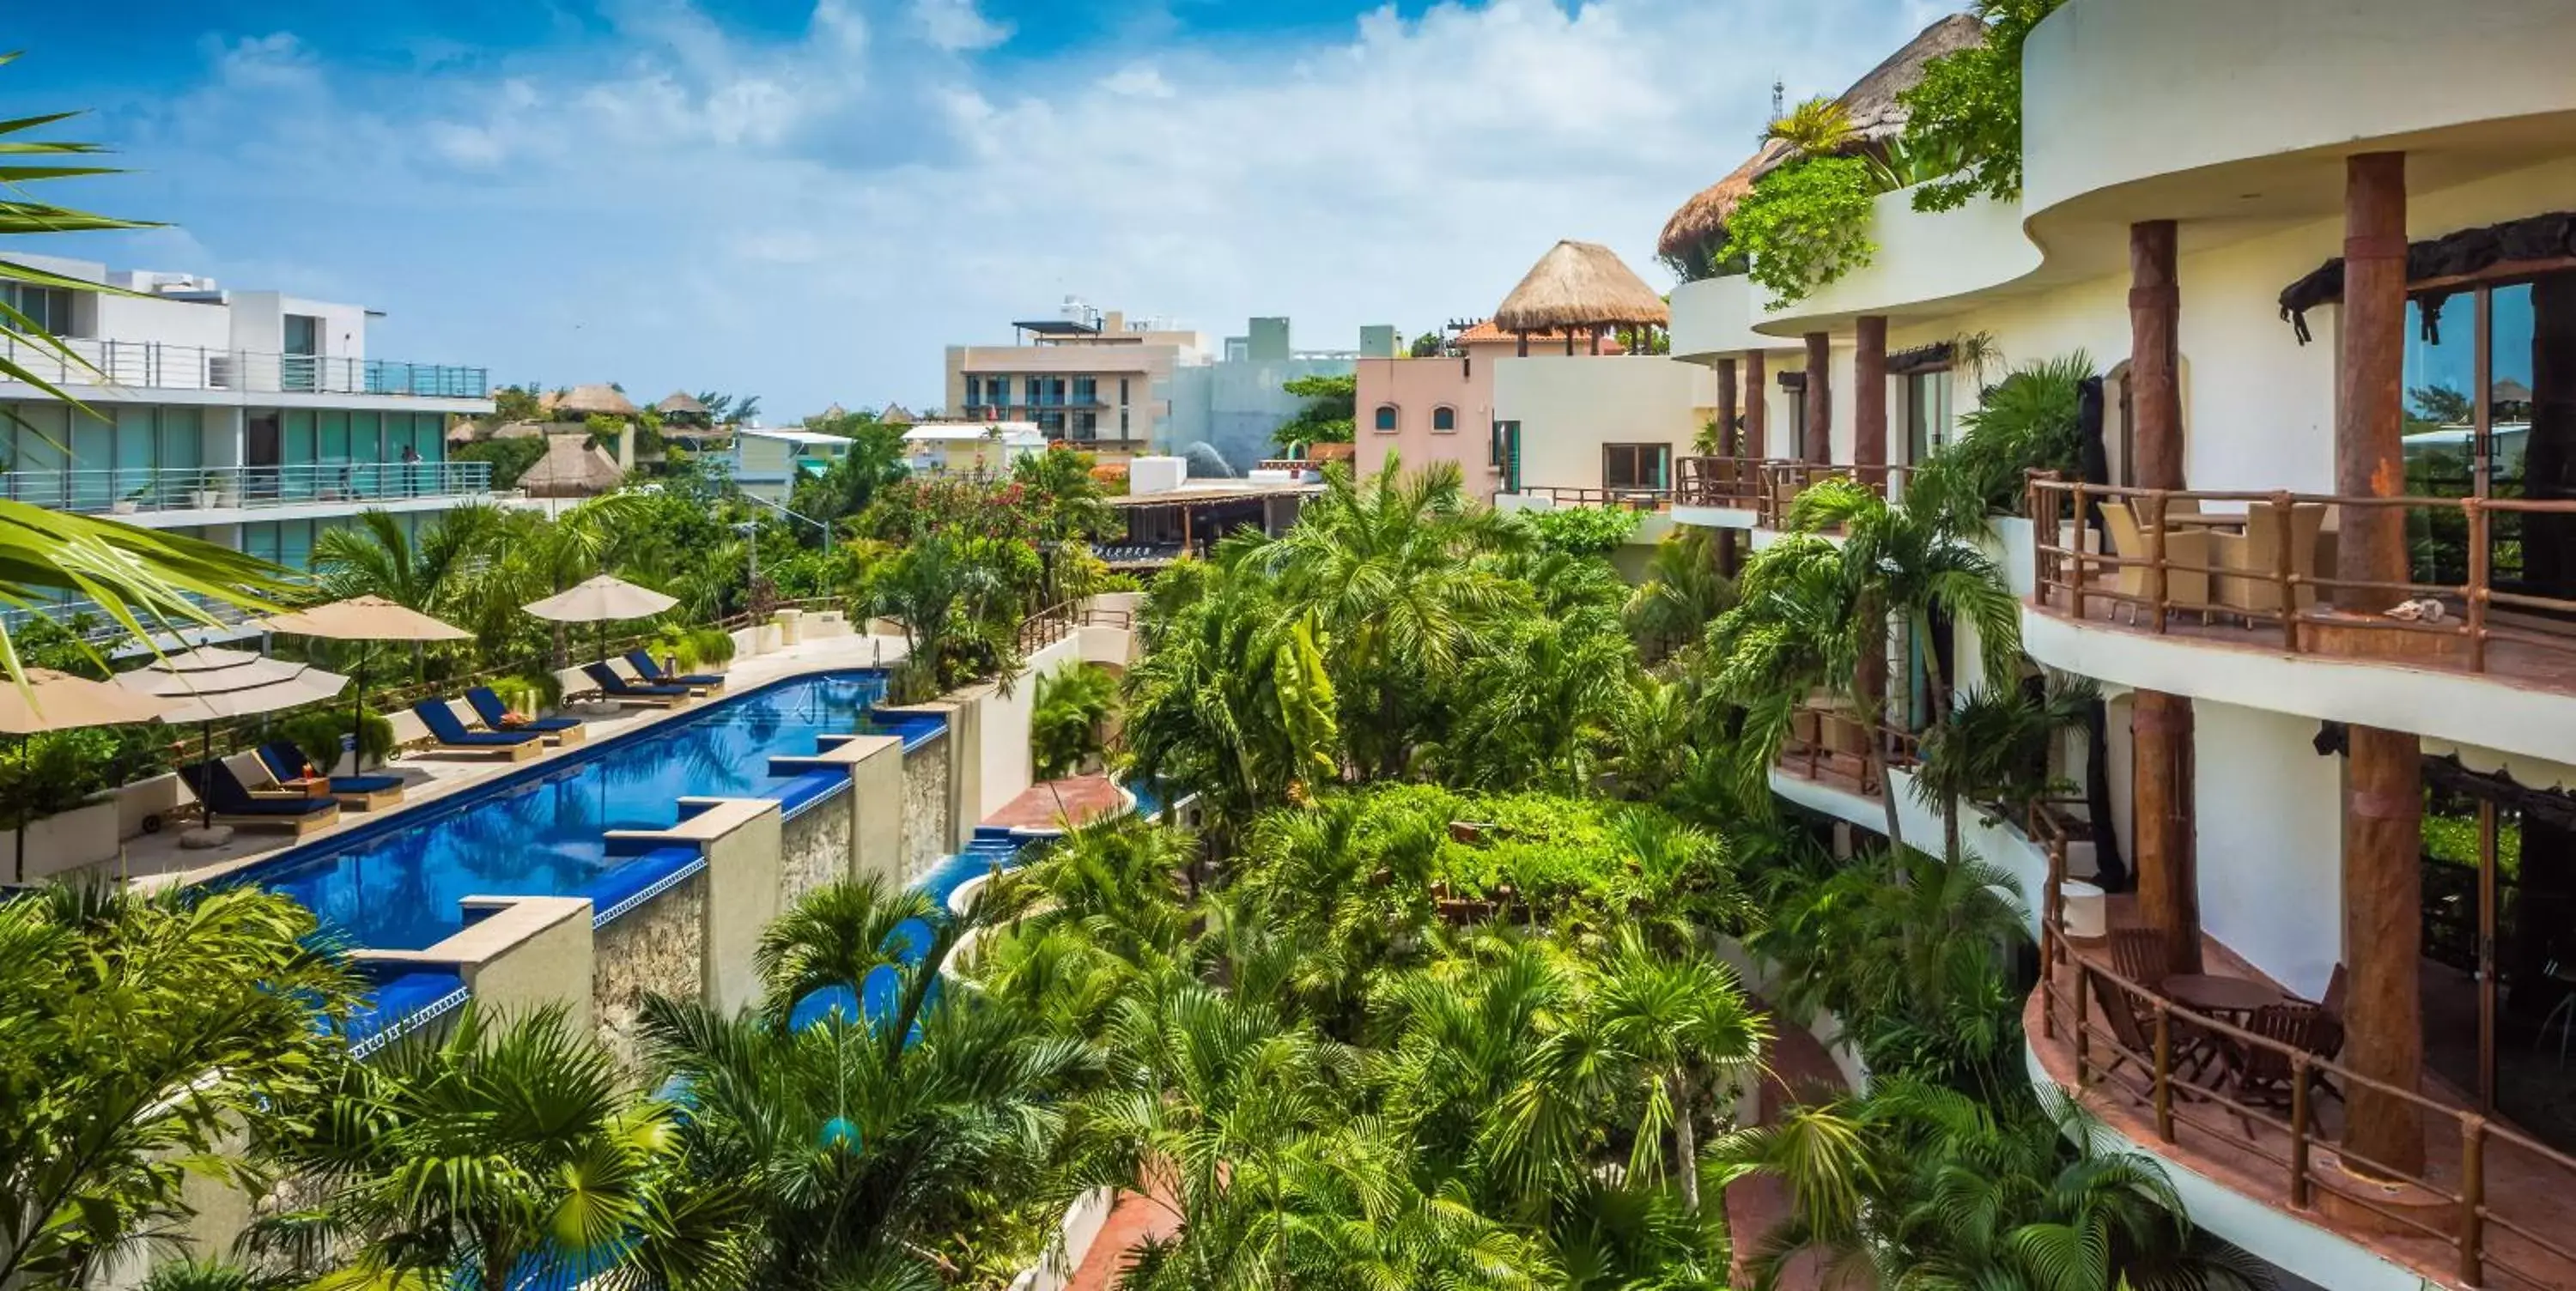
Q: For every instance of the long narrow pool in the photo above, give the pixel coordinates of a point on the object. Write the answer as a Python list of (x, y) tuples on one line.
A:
[(396, 885)]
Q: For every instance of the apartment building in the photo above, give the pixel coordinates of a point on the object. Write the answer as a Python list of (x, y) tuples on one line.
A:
[(766, 462), (1099, 381), (2321, 562), (254, 419), (1235, 402)]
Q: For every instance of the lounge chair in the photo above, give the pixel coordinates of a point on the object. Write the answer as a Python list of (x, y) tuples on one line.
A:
[(612, 686), (488, 706), (642, 662), (286, 762), (452, 737), (230, 802)]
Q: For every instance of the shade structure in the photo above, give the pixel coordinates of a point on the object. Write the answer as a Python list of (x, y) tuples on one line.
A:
[(1580, 285), (58, 701), (210, 684), (364, 618), (600, 600)]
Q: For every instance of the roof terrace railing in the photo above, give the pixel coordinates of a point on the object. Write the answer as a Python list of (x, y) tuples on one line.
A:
[(158, 365), (1634, 499), (1767, 486), (109, 491), (2264, 563)]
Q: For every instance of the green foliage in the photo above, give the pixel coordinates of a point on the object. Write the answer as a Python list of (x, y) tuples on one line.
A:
[(518, 403), (605, 432), (2030, 420), (530, 693), (1424, 346), (320, 733), (50, 773), (1066, 726), (960, 599), (1968, 107), (510, 458), (1818, 127), (1805, 225), (1327, 418), (874, 459), (112, 1001), (1582, 531)]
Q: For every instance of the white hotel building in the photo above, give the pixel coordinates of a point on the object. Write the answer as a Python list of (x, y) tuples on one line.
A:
[(2323, 256), (253, 419)]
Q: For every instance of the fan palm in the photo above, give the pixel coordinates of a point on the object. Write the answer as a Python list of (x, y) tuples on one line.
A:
[(1818, 127)]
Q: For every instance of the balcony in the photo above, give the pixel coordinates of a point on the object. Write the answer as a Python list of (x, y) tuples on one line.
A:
[(1756, 492), (2252, 1107), (169, 492), (153, 365), (2184, 591)]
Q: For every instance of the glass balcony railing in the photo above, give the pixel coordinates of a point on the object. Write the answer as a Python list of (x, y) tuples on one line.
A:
[(223, 488), (154, 365)]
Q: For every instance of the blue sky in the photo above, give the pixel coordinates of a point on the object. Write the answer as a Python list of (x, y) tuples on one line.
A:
[(807, 199)]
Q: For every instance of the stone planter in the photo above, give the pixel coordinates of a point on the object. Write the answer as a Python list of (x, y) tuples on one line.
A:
[(85, 835)]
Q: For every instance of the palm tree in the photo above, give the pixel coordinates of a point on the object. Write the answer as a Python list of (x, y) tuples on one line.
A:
[(1538, 709), (1065, 726), (1818, 127), (1385, 563), (1234, 702), (1682, 593), (1795, 629), (1673, 1017), (503, 1154), (142, 1033), (432, 574)]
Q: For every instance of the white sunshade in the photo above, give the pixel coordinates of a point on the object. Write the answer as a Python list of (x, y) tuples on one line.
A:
[(58, 701), (209, 684), (601, 600)]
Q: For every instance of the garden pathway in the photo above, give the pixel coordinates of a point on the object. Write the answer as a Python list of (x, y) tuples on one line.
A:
[(1056, 804), (1135, 1220), (1801, 1072)]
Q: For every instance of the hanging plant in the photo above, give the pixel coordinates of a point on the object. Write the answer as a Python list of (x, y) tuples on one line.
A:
[(1805, 225)]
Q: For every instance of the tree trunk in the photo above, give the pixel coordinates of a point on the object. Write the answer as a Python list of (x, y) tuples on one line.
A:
[(1685, 1139)]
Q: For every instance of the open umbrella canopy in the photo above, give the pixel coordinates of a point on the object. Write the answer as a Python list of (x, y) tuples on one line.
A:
[(365, 618), (210, 684), (599, 600), (59, 701)]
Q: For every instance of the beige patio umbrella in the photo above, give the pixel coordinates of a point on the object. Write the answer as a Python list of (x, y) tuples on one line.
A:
[(600, 600), (59, 701), (209, 684), (363, 618)]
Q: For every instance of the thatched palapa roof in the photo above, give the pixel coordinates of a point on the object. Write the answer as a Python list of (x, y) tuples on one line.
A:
[(1871, 104), (571, 468), (589, 400), (680, 403), (1580, 285), (1485, 333), (896, 414)]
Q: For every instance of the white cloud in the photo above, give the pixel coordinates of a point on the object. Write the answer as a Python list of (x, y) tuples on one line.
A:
[(823, 214), (956, 25)]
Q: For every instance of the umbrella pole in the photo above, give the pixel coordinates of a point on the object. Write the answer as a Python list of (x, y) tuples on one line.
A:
[(357, 720), (21, 831)]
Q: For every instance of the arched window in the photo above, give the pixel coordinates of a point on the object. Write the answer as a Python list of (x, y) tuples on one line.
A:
[(1386, 417), (1444, 420)]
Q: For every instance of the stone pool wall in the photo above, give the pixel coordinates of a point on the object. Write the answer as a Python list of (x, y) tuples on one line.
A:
[(815, 847), (929, 807), (657, 948)]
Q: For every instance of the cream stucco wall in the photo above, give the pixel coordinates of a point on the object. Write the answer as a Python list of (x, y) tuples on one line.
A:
[(1569, 407)]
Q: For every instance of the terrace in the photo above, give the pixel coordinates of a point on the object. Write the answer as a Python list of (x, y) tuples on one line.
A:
[(1764, 487), (157, 365), (172, 492)]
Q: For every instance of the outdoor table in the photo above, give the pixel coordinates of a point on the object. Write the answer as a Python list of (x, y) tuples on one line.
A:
[(2221, 996)]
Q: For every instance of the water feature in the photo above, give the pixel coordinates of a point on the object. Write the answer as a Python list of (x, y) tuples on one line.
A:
[(539, 832)]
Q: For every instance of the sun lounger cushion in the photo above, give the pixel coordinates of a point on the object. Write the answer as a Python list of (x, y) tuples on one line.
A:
[(225, 795), (489, 707), (443, 727), (642, 662), (612, 684)]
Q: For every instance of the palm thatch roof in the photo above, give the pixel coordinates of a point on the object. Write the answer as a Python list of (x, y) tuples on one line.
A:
[(571, 468), (680, 403), (1872, 107), (1485, 333), (590, 400), (896, 414), (518, 430), (1580, 285)]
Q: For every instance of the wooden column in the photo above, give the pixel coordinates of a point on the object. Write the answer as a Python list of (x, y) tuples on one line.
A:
[(2160, 726), (2383, 893), (1869, 398), (1819, 447), (2369, 417), (1727, 443), (2166, 842), (2155, 356), (1757, 406)]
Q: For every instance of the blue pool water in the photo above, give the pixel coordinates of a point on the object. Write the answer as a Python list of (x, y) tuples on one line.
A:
[(540, 832)]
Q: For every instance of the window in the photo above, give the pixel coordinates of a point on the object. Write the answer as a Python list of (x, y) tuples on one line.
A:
[(997, 391), (1444, 421), (1086, 390), (1122, 415), (1386, 418), (1086, 424), (2491, 428), (47, 309), (974, 391), (1636, 466), (1122, 392), (1927, 414)]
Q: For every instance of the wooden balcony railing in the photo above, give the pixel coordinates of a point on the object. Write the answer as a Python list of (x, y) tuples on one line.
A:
[(2263, 564), (1786, 480), (1829, 744), (2454, 1203), (1737, 483), (1635, 499)]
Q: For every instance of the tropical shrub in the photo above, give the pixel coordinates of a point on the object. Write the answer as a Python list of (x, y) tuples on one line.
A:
[(530, 693), (1328, 414), (1967, 109), (1805, 225), (1582, 531), (2031, 420), (1066, 725), (321, 734), (711, 647)]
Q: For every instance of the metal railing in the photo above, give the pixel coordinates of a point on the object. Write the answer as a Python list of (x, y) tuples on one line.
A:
[(87, 621), (159, 365), (98, 490), (2191, 1111), (2264, 562)]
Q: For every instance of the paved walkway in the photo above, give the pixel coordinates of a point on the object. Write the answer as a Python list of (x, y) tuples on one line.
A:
[(1135, 1220), (1801, 1073), (1060, 804), (156, 860)]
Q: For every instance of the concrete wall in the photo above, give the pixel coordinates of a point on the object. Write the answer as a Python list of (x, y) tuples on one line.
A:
[(929, 808), (1569, 407), (1234, 406), (1007, 768), (2269, 814)]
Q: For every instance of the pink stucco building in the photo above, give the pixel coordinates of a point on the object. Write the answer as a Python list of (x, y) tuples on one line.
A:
[(1442, 409)]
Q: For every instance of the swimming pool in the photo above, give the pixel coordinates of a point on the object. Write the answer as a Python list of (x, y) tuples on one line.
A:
[(396, 885)]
